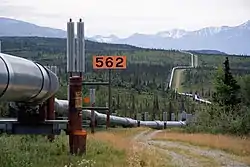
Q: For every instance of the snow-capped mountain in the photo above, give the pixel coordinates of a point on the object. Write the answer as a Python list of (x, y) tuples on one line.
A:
[(233, 40), (175, 33), (108, 39)]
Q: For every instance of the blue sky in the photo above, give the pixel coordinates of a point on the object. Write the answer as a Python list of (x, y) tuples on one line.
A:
[(123, 18)]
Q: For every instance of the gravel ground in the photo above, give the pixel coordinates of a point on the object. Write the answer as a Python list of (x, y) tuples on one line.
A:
[(184, 155)]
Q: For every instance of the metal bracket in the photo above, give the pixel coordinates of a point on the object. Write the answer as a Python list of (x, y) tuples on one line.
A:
[(95, 108), (109, 101), (49, 127), (95, 83)]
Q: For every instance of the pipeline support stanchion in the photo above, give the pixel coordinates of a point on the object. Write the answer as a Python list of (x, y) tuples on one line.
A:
[(42, 112), (92, 119), (50, 115), (77, 136), (92, 101), (165, 125)]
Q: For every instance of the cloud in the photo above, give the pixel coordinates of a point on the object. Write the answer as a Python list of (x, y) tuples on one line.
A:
[(125, 17)]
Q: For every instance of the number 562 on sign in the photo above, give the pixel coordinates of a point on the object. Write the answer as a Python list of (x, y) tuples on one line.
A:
[(109, 62)]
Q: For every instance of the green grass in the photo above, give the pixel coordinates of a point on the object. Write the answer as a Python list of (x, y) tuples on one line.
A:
[(105, 148), (36, 151)]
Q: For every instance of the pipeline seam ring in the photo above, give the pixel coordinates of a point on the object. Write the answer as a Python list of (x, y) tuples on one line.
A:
[(42, 83), (8, 82)]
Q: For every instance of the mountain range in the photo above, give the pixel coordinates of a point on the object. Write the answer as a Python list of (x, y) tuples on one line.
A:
[(12, 27), (231, 40)]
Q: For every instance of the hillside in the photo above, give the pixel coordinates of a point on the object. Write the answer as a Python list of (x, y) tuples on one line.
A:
[(10, 44), (143, 64), (143, 86), (207, 52), (11, 27)]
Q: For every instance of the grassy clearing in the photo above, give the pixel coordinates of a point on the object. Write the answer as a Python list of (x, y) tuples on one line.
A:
[(236, 145), (104, 149)]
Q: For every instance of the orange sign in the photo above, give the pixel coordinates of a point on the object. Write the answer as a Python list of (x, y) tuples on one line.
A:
[(86, 100), (109, 62)]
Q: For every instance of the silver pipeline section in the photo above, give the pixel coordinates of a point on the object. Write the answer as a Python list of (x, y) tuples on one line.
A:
[(25, 81), (194, 64), (173, 71), (61, 106)]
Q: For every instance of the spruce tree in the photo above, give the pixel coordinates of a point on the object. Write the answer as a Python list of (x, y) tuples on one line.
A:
[(227, 89)]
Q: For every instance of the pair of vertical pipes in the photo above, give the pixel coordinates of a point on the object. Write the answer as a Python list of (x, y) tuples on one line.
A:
[(75, 69)]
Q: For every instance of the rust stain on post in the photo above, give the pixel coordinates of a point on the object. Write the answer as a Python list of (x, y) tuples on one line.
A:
[(77, 141)]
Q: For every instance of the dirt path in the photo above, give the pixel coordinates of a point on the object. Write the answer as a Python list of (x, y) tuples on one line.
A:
[(184, 155), (178, 78)]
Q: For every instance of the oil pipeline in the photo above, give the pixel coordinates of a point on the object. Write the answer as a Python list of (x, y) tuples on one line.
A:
[(30, 87)]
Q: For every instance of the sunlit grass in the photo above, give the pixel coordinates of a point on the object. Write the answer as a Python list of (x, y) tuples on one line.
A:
[(236, 145), (104, 149)]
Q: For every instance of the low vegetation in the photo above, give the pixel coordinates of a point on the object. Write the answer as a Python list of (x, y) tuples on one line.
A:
[(30, 151), (104, 149), (229, 112)]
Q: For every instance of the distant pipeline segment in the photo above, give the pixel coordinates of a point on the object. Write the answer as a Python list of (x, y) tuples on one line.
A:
[(196, 98), (194, 64), (61, 106)]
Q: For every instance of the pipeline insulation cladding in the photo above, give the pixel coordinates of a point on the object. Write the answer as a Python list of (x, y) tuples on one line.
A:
[(61, 106), (25, 81)]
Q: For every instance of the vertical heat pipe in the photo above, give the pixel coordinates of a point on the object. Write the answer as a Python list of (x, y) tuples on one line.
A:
[(80, 56), (70, 47)]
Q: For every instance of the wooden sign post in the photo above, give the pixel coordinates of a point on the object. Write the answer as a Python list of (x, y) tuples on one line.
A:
[(109, 62)]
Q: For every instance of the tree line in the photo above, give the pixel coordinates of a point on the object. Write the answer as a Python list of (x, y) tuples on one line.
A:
[(229, 112)]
